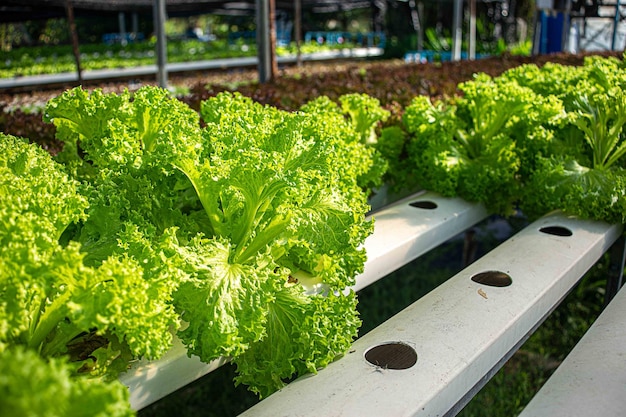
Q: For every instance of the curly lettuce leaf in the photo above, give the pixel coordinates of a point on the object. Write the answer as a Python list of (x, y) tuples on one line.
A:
[(50, 296), (434, 162), (590, 193), (118, 131), (476, 146), (33, 386), (392, 146), (365, 114), (270, 190), (352, 123), (228, 211), (303, 335), (223, 303), (582, 172), (276, 181)]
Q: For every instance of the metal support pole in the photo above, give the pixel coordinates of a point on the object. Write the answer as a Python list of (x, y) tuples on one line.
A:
[(121, 19), (272, 28), (615, 25), (566, 25), (471, 39), (420, 31), (297, 29), (263, 40), (161, 44), (457, 30), (615, 280), (70, 18), (415, 20), (135, 23)]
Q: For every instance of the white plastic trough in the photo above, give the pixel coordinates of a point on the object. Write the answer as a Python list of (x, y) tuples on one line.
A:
[(402, 233), (592, 378), (452, 340)]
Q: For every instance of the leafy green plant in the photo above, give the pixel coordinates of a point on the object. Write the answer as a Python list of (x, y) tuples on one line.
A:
[(33, 386), (582, 171), (84, 321), (252, 210), (239, 234), (468, 146), (356, 118), (27, 61)]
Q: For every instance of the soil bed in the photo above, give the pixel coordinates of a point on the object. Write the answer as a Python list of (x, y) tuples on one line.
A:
[(393, 82)]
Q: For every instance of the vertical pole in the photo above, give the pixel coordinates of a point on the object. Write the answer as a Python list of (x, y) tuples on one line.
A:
[(420, 28), (415, 20), (538, 27), (615, 25), (121, 20), (70, 18), (540, 41), (471, 39), (159, 27), (297, 29), (135, 23), (262, 40), (272, 27), (615, 280), (457, 30), (565, 30)]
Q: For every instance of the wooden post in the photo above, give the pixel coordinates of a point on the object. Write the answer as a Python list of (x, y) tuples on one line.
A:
[(70, 18)]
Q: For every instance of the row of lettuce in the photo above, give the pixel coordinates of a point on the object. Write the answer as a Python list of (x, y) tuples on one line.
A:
[(55, 59), (240, 228)]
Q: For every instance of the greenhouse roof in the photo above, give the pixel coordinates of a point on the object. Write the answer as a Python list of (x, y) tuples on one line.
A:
[(21, 10)]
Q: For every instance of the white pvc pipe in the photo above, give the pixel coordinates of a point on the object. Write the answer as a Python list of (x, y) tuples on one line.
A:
[(401, 233), (461, 332)]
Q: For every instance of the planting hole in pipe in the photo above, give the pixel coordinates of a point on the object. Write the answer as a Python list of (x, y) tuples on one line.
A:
[(392, 355), (493, 279), (556, 230), (424, 204)]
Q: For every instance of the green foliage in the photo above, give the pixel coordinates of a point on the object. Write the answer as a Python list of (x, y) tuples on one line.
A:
[(533, 138), (468, 146), (240, 228), (356, 119), (32, 386), (250, 226), (582, 169), (54, 59)]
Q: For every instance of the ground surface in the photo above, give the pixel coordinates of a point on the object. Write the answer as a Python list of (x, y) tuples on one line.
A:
[(399, 78), (393, 82)]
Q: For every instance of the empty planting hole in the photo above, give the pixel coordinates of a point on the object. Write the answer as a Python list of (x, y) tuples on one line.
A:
[(393, 355), (556, 230), (424, 204), (493, 279)]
